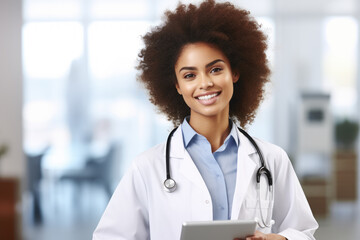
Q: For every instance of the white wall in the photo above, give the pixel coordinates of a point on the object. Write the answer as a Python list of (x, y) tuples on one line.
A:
[(297, 68), (11, 87)]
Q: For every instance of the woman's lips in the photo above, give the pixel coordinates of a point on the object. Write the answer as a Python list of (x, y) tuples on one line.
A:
[(208, 99)]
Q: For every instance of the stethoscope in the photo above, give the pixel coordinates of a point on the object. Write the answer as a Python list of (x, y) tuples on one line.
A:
[(170, 184)]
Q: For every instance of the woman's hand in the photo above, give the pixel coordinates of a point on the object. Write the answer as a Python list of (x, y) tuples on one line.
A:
[(261, 236)]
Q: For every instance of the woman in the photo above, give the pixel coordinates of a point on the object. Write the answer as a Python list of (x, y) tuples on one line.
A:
[(206, 68)]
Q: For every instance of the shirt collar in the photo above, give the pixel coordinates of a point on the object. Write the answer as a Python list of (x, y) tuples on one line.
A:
[(189, 133), (233, 132)]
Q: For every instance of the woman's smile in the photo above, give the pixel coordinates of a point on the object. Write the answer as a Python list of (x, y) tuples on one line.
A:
[(208, 98)]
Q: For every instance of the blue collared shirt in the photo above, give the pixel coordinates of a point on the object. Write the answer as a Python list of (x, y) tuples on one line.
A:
[(218, 169)]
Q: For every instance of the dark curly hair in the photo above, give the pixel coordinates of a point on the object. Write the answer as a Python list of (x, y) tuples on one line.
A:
[(230, 29)]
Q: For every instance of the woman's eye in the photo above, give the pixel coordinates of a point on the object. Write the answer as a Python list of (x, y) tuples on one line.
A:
[(216, 69), (190, 75)]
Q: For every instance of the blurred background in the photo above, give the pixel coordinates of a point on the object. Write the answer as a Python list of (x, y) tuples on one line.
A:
[(72, 116)]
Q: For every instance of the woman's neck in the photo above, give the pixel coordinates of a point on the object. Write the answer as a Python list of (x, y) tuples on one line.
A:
[(214, 129)]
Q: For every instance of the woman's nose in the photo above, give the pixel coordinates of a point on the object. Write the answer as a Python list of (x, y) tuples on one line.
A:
[(206, 82)]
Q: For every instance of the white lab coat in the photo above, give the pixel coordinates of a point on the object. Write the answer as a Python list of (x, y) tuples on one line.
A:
[(141, 209)]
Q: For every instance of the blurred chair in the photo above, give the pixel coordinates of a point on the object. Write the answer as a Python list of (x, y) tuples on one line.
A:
[(97, 170), (34, 176)]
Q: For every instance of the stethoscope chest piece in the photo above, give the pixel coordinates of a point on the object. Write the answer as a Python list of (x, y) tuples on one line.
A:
[(169, 185)]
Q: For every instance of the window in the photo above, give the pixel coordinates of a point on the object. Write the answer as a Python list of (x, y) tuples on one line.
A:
[(340, 64)]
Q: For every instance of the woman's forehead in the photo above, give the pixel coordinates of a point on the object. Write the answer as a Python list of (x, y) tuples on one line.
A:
[(199, 54)]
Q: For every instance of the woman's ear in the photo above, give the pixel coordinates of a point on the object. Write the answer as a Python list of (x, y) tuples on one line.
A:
[(235, 77)]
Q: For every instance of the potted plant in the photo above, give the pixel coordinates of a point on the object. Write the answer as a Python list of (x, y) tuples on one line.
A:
[(3, 150), (346, 132), (345, 162)]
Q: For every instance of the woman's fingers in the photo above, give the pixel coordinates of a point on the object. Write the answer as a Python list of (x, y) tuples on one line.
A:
[(257, 236)]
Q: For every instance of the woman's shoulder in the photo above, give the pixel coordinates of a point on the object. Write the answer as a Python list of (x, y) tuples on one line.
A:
[(266, 147), (272, 152), (150, 156), (269, 147)]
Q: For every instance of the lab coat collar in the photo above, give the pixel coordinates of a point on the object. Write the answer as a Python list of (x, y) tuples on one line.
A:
[(245, 143), (178, 151), (177, 148)]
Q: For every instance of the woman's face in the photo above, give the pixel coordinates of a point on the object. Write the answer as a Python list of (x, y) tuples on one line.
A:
[(205, 80)]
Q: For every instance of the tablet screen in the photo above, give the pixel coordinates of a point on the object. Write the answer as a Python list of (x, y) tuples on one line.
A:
[(216, 230)]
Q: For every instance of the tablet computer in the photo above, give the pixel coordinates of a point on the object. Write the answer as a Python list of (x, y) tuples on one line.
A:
[(215, 230)]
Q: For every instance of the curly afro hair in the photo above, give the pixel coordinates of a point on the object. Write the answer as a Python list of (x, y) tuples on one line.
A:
[(231, 30)]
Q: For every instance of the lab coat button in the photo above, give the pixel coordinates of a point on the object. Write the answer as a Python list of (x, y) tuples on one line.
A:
[(207, 201)]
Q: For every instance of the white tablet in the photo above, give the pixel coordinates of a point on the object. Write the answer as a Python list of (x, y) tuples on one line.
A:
[(215, 230)]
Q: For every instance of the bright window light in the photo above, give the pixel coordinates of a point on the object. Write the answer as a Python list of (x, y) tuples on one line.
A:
[(114, 46), (50, 47), (268, 28), (339, 63), (109, 9), (264, 117), (54, 9)]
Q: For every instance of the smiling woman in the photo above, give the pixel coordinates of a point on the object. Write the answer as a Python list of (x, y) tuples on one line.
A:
[(206, 66)]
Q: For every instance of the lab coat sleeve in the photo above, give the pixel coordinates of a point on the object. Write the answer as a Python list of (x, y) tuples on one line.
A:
[(293, 216), (126, 216)]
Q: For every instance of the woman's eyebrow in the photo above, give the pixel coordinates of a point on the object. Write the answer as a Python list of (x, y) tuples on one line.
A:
[(213, 62), (187, 68), (206, 66)]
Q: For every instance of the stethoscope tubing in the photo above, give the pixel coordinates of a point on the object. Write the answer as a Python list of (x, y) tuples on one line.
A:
[(170, 184)]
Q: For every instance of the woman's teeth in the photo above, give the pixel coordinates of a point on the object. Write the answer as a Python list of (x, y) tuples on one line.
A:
[(207, 97)]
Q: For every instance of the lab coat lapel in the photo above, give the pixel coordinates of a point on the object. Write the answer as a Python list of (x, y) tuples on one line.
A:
[(201, 206), (189, 170), (186, 165), (244, 175)]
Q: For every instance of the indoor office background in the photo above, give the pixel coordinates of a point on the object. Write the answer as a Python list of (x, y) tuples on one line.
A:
[(72, 116)]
